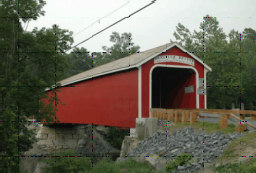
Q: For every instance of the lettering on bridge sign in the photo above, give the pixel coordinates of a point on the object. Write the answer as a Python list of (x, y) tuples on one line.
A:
[(174, 58)]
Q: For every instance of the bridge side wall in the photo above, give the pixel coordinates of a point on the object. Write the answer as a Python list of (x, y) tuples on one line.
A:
[(110, 100)]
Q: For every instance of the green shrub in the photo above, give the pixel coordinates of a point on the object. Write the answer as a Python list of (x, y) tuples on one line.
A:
[(181, 160), (65, 162), (116, 136), (131, 166), (106, 166)]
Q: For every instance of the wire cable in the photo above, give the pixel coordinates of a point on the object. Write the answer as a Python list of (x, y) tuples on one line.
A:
[(98, 21), (152, 2)]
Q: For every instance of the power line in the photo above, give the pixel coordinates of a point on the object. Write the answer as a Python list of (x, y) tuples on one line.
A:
[(98, 21), (153, 1)]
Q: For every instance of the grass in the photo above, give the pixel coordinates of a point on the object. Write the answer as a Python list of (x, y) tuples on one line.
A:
[(247, 140), (127, 166), (206, 126), (246, 167), (130, 166)]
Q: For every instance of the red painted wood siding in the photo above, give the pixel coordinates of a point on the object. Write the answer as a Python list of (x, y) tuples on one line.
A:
[(146, 78), (110, 100)]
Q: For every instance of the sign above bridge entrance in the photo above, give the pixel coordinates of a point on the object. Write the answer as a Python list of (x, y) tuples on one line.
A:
[(174, 58)]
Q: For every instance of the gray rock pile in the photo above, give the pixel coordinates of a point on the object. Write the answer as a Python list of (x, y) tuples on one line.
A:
[(202, 146)]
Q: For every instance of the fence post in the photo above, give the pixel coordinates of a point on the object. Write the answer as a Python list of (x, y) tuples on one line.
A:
[(170, 115), (241, 127), (177, 118), (184, 117), (165, 114), (241, 115), (193, 116), (223, 122)]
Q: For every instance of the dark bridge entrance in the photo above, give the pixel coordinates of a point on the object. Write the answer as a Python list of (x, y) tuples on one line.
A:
[(173, 87)]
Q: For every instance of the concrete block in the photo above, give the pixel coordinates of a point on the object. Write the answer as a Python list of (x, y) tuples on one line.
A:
[(146, 127), (151, 126), (140, 127), (133, 132)]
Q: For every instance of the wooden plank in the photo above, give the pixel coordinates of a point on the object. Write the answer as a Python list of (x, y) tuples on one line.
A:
[(177, 117), (231, 111), (182, 117), (237, 118), (177, 114), (249, 112), (234, 111), (170, 113), (186, 116)]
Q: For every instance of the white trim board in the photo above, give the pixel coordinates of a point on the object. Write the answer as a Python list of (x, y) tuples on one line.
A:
[(139, 94), (205, 88), (172, 66)]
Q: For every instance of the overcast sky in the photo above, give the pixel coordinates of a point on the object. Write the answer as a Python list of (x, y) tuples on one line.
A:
[(151, 27)]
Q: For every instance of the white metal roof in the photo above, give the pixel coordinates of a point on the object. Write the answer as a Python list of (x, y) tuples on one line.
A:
[(132, 61)]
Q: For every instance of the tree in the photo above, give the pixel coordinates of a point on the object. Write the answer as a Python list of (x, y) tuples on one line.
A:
[(248, 60), (79, 60), (183, 36), (29, 62), (122, 47), (211, 45)]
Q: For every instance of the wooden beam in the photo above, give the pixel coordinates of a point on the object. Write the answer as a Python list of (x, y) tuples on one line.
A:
[(237, 118)]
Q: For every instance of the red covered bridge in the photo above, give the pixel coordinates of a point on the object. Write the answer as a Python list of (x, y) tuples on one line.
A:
[(116, 93)]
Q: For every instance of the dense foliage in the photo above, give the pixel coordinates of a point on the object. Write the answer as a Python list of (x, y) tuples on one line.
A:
[(29, 62), (232, 59), (122, 47), (67, 163), (116, 136)]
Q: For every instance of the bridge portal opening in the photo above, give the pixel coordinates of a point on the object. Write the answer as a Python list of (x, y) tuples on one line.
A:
[(173, 88)]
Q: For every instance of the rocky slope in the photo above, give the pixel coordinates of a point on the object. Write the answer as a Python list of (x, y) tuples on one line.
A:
[(163, 146)]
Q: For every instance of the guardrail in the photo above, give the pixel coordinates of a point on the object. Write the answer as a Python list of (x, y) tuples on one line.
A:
[(191, 115)]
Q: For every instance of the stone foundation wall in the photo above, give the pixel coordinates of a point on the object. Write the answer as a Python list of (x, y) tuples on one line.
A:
[(84, 139)]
